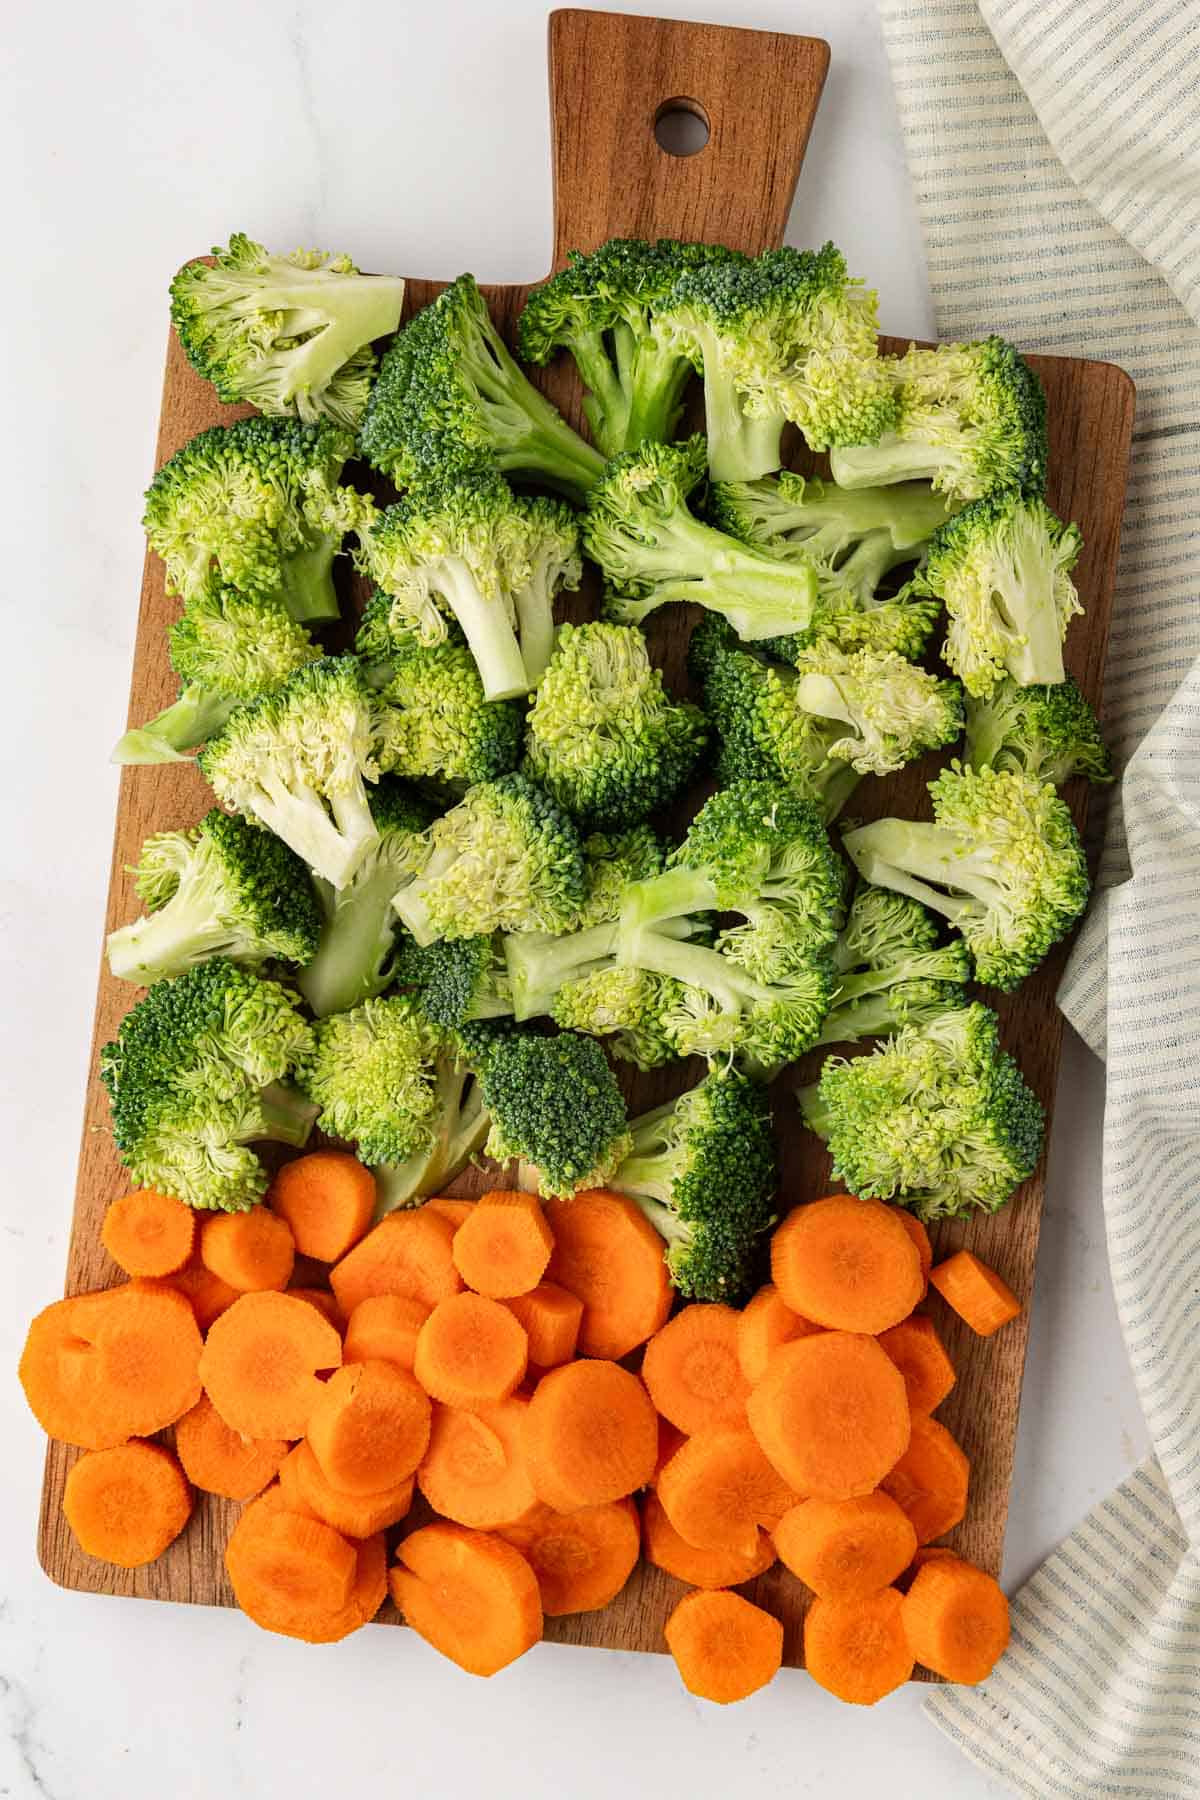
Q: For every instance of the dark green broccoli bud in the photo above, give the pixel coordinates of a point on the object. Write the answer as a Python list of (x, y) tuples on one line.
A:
[(196, 1073), (891, 970), (221, 889), (433, 724), (448, 387), (1002, 568), (972, 420), (1002, 861), (1047, 733), (290, 334), (653, 551), (938, 1118), (297, 762), (894, 710), (257, 504), (227, 649), (603, 735), (703, 1169), (456, 980), (554, 1104)]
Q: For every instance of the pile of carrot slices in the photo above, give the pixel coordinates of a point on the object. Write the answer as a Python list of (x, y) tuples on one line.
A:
[(509, 1381)]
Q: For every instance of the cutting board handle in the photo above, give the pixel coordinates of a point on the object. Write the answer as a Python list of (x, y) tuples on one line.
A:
[(613, 77)]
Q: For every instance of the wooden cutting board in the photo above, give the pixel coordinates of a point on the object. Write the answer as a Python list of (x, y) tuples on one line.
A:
[(611, 77)]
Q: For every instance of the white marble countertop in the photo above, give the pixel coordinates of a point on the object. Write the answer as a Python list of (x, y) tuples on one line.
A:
[(134, 135)]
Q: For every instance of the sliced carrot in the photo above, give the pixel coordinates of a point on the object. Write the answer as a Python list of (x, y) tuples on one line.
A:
[(222, 1461), (719, 1488), (125, 1505), (920, 1355), (252, 1251), (920, 1237), (857, 1649), (844, 1549), (591, 1435), (100, 1368), (369, 1428), (471, 1352), (581, 1561), (291, 1491), (847, 1264), (931, 1553), (455, 1210), (724, 1648), (692, 1372), (474, 1471), (260, 1362), (607, 1253), (664, 1547), (355, 1516), (205, 1292), (468, 1594), (765, 1322), (148, 1233), (277, 1605), (669, 1440), (384, 1328), (976, 1292), (551, 1318), (930, 1480), (324, 1302), (327, 1199), (956, 1618), (408, 1253), (831, 1414), (503, 1248)]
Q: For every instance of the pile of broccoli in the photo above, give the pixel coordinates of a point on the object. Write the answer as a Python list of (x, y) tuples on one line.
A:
[(450, 888)]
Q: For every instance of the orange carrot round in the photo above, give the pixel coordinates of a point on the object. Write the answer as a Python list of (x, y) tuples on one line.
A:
[(408, 1253), (474, 1471), (324, 1302), (581, 1561), (956, 1618), (591, 1435), (847, 1264), (724, 1648), (692, 1372), (125, 1505), (920, 1237), (503, 1248), (765, 1322), (607, 1253), (385, 1328), (920, 1355), (261, 1574), (369, 1427), (976, 1292), (207, 1295), (844, 1549), (450, 1208), (469, 1595), (669, 1440), (857, 1649), (831, 1414), (719, 1488), (327, 1199), (355, 1516), (930, 1480), (252, 1251), (260, 1362), (148, 1233), (302, 1566), (291, 1491), (664, 1547), (471, 1352), (551, 1318), (222, 1461)]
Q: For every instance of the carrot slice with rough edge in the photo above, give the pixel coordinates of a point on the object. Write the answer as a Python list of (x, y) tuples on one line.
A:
[(664, 1547), (843, 1549), (369, 1427), (279, 1612), (920, 1355), (148, 1233), (591, 1435), (127, 1504), (471, 1352), (221, 1461), (291, 1491), (551, 1318), (724, 1647), (385, 1328), (503, 1248), (765, 1322), (454, 1210), (857, 1649), (976, 1292), (847, 1264), (327, 1199), (669, 1440), (582, 1560), (324, 1302), (719, 1488), (408, 1253), (474, 1471), (831, 1414), (355, 1516), (956, 1618), (920, 1237), (930, 1480), (607, 1253), (260, 1361), (469, 1595), (692, 1372), (206, 1294), (252, 1251)]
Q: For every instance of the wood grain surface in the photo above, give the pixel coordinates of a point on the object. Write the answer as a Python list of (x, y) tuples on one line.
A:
[(609, 76)]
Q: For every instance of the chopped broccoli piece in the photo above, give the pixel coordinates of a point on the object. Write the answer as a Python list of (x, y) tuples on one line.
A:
[(895, 710), (290, 334), (938, 1118), (611, 861), (448, 387), (456, 980), (433, 724), (196, 1073), (654, 551), (703, 1169), (603, 735), (553, 562), (891, 971), (554, 1104), (972, 420), (1047, 733), (1002, 861), (220, 889), (296, 762)]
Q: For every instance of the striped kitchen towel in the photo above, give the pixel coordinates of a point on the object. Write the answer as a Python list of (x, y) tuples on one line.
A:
[(1055, 150)]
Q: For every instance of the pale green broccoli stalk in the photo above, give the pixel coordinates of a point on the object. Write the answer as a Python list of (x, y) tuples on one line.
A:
[(938, 1118), (290, 334), (894, 710), (891, 970), (1002, 861), (553, 562), (1047, 733), (220, 889), (556, 1107), (196, 1073)]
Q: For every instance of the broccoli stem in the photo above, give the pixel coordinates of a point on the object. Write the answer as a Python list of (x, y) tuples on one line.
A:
[(354, 956), (660, 382), (1037, 658), (885, 852), (342, 312), (606, 399), (306, 588), (695, 965), (299, 817), (539, 965), (891, 459), (815, 1113), (462, 1129), (488, 630), (411, 902), (287, 1117), (941, 964), (740, 448), (177, 937), (192, 719), (530, 434), (760, 595), (846, 1023), (535, 627)]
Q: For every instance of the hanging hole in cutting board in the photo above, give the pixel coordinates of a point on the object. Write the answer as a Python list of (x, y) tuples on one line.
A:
[(681, 127)]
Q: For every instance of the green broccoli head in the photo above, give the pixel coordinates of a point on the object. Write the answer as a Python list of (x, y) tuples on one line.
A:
[(290, 334), (554, 1104), (194, 1076), (939, 1118), (891, 970), (1048, 733), (1002, 861), (629, 1008), (456, 980), (603, 735), (372, 1071), (703, 1168), (433, 724), (894, 710)]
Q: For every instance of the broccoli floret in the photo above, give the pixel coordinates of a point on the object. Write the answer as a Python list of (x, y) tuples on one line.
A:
[(1047, 733), (654, 551), (901, 626), (227, 649), (456, 980), (703, 1168), (554, 1104), (448, 387), (290, 334), (553, 562), (1002, 567), (356, 956), (612, 859), (895, 710), (257, 504), (603, 309), (603, 735), (1002, 861), (506, 858), (891, 970), (972, 420), (938, 1118), (296, 761), (221, 889), (196, 1073)]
